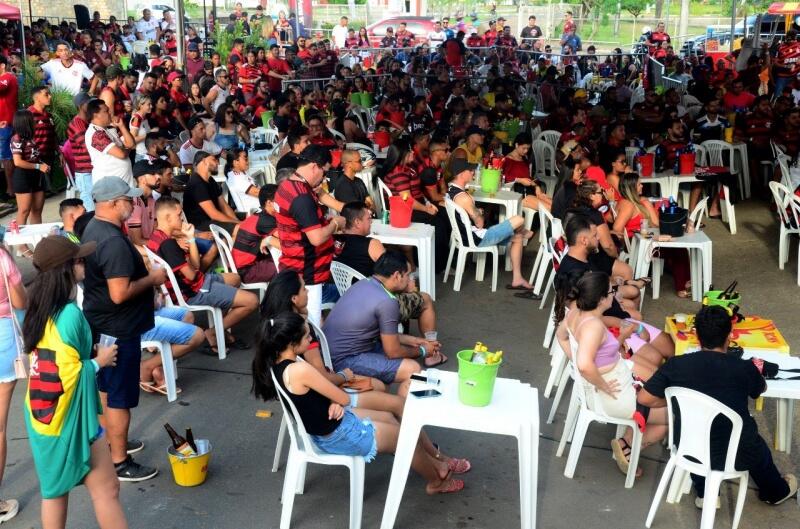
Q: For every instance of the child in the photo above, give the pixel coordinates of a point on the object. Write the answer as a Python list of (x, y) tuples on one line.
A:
[(69, 210), (250, 252)]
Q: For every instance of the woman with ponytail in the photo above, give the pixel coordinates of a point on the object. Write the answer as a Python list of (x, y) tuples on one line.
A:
[(325, 410), (595, 351)]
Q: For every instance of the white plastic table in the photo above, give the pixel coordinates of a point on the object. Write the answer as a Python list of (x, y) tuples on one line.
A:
[(419, 235), (30, 234), (510, 200), (700, 259), (785, 391), (514, 411)]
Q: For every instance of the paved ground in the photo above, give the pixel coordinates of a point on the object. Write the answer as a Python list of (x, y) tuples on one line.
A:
[(241, 492)]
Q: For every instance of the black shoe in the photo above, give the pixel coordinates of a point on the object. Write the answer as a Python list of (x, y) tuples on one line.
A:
[(133, 446), (528, 294), (130, 470)]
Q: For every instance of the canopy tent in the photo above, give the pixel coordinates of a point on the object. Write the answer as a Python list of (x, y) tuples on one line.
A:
[(9, 12), (784, 8)]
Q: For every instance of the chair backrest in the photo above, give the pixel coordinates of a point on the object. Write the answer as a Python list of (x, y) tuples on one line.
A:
[(297, 430), (716, 151), (777, 150), (359, 116), (225, 245), (336, 134), (630, 155), (544, 157), (700, 155), (552, 137), (786, 175), (365, 151), (545, 221), (383, 192), (183, 137), (343, 276), (697, 413), (699, 213), (787, 204), (324, 349), (453, 210), (173, 281)]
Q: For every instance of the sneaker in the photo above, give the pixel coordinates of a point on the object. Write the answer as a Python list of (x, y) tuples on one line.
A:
[(698, 502), (133, 446), (130, 470), (8, 509), (791, 480)]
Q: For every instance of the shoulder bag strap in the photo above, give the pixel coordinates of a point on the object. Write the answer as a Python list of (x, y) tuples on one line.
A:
[(14, 322)]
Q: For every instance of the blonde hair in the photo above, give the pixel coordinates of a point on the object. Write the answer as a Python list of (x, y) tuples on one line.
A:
[(141, 99), (267, 27), (627, 188)]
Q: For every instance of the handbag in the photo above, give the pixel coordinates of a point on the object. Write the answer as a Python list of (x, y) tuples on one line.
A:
[(21, 361), (672, 222)]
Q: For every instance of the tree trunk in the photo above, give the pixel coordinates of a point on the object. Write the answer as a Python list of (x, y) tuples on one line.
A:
[(659, 8), (616, 19)]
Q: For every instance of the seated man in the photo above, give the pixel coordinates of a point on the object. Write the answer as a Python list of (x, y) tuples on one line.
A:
[(216, 290), (362, 328), (69, 210), (349, 188), (733, 381), (203, 199), (197, 142), (355, 249), (510, 231), (297, 141), (250, 239)]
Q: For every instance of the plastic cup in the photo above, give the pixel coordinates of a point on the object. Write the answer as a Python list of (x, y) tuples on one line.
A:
[(433, 376), (431, 336), (106, 340)]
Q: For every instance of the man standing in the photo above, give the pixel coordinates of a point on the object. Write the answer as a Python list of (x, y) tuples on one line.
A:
[(304, 231), (76, 134), (339, 34), (279, 70), (108, 152), (147, 28), (194, 63), (733, 381), (531, 35), (437, 36), (68, 73), (118, 302), (9, 89)]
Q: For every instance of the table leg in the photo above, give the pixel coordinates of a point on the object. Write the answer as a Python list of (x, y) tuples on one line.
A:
[(696, 264), (406, 444), (533, 467), (789, 424), (525, 455), (780, 424), (427, 270), (707, 265)]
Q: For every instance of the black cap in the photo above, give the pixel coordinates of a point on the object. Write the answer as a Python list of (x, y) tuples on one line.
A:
[(474, 129), (460, 165), (143, 167), (199, 156)]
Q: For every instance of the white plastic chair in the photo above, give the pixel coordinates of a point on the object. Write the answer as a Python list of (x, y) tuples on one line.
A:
[(360, 148), (466, 247), (301, 452), (552, 137), (168, 365), (789, 221), (544, 163), (214, 313), (72, 188), (630, 156), (225, 245), (692, 453), (383, 192), (336, 134), (343, 276), (557, 257), (716, 152)]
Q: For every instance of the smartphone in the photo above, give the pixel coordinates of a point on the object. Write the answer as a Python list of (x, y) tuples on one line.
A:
[(425, 393)]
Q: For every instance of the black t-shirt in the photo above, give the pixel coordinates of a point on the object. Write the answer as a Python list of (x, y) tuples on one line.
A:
[(197, 191), (287, 160), (570, 264), (346, 190), (282, 123), (353, 251), (726, 378), (563, 198), (114, 257)]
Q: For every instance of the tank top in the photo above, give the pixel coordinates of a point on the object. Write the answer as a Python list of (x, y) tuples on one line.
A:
[(608, 352), (353, 250), (476, 157), (222, 95), (312, 406), (453, 191)]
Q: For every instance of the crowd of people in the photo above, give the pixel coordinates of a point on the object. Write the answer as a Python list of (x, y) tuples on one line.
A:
[(146, 150)]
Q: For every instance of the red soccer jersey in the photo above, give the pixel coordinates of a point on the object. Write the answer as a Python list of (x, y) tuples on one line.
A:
[(278, 66), (44, 134), (9, 88), (76, 133), (249, 73), (788, 60)]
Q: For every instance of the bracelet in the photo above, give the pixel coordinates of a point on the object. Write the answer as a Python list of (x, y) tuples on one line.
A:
[(192, 240), (37, 166), (95, 364), (640, 329), (422, 352), (343, 375)]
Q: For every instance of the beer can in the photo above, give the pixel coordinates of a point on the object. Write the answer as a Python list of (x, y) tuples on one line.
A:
[(385, 217)]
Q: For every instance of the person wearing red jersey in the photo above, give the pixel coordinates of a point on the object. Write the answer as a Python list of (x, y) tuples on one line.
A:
[(29, 169), (474, 40), (44, 132), (76, 135), (569, 25), (249, 75), (787, 62), (278, 70), (180, 101), (9, 100), (250, 252), (304, 231), (110, 93), (454, 50), (404, 37), (657, 42)]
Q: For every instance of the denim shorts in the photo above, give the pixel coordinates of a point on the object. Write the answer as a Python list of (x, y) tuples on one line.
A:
[(5, 142), (8, 351), (353, 437), (373, 364), (498, 234), (215, 293), (170, 327)]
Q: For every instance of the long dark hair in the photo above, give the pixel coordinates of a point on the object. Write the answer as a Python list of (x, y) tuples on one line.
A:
[(277, 334), (47, 296), (565, 294), (231, 155), (396, 155), (280, 291), (583, 194), (23, 124)]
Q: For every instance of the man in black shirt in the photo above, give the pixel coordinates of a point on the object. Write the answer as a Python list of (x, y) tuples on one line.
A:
[(202, 201), (118, 302), (730, 380), (297, 140), (349, 188)]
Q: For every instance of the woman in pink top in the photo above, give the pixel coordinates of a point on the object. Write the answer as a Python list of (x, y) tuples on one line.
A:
[(12, 298), (595, 351)]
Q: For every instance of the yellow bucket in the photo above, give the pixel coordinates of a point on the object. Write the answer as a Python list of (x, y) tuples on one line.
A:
[(190, 471)]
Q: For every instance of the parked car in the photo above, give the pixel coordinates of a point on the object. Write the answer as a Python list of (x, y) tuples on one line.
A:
[(419, 26)]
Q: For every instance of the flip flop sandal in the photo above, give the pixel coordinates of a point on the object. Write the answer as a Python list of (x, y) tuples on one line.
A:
[(163, 390), (147, 387), (518, 287), (529, 294), (459, 466), (431, 366), (646, 280), (453, 485)]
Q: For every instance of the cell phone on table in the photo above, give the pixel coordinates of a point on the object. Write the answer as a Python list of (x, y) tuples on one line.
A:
[(425, 393)]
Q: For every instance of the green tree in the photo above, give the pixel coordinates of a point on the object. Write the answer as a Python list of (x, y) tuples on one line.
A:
[(635, 8)]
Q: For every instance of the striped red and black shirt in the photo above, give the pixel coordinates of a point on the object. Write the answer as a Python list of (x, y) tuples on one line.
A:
[(247, 73), (76, 133), (404, 178), (44, 134), (299, 212), (27, 149)]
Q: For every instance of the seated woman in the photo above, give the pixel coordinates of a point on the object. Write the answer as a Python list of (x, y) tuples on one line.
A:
[(227, 130), (516, 169), (237, 163), (325, 410), (595, 352), (632, 210)]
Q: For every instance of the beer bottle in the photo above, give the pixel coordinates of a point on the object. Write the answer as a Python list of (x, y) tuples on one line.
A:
[(190, 439), (179, 443)]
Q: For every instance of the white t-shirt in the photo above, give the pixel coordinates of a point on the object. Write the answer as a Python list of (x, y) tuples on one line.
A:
[(238, 184), (69, 78), (436, 38), (188, 150), (147, 28), (339, 35), (98, 142)]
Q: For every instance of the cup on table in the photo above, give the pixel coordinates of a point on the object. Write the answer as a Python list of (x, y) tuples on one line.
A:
[(106, 340), (434, 378)]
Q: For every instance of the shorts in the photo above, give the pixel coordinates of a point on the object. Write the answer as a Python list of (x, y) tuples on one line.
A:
[(203, 245), (411, 304), (27, 180), (260, 271), (353, 437), (636, 343), (170, 327), (5, 142), (215, 293), (8, 350), (624, 405), (499, 234), (121, 382), (373, 364)]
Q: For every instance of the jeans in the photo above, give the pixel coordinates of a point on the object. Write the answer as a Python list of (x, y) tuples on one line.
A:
[(83, 181)]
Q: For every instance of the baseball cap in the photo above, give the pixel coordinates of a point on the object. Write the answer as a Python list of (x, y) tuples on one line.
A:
[(597, 174), (143, 167), (113, 71), (474, 129), (55, 250), (81, 98), (199, 156), (193, 47), (174, 75), (111, 187), (459, 165)]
